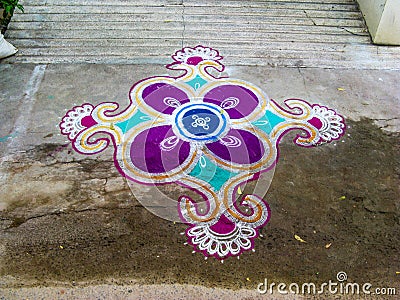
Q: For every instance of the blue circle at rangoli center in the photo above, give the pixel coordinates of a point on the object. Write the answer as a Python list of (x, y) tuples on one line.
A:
[(200, 122)]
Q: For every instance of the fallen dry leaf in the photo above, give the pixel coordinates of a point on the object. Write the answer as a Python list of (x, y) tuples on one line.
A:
[(299, 239), (239, 191)]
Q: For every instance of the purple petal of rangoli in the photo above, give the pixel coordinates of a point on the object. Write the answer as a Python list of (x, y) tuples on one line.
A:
[(164, 97), (158, 150), (236, 100), (238, 146)]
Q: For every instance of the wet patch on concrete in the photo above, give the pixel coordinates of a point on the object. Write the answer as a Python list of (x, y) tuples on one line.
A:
[(344, 195)]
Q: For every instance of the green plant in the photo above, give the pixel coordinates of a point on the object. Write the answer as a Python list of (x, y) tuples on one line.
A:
[(8, 7)]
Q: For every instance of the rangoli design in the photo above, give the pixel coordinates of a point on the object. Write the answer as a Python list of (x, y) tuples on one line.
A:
[(208, 133)]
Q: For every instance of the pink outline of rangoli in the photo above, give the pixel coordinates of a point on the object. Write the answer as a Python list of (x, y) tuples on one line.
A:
[(176, 126)]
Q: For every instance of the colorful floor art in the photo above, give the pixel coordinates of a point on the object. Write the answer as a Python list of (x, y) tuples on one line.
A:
[(209, 134)]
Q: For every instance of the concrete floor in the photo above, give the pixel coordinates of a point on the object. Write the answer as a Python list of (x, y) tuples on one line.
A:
[(280, 33), (57, 233)]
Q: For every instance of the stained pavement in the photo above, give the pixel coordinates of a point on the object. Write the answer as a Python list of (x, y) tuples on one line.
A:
[(70, 222)]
